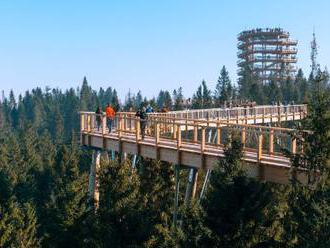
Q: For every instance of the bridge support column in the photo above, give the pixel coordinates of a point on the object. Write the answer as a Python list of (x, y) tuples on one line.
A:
[(191, 185), (176, 198), (93, 185), (123, 156), (113, 155), (134, 161), (206, 180)]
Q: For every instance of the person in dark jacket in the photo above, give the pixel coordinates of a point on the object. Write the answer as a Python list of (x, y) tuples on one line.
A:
[(143, 120), (98, 117)]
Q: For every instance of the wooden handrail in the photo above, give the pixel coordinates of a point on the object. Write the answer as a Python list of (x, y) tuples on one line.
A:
[(200, 123), (165, 125)]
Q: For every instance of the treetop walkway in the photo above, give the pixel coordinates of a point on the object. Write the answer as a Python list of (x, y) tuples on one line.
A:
[(195, 138)]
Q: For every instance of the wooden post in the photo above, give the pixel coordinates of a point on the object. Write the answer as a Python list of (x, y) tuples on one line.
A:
[(186, 128), (203, 140), (263, 115), (130, 123), (243, 138), (157, 133), (88, 123), (271, 116), (195, 133), (104, 124), (294, 145), (92, 121), (218, 134), (286, 113), (179, 138), (120, 126), (175, 130), (259, 152), (271, 141), (279, 114), (82, 122), (137, 131)]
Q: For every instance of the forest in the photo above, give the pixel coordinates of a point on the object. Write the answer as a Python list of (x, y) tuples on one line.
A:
[(44, 175)]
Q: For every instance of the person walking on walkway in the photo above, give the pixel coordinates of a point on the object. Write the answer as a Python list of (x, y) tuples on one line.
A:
[(149, 109), (143, 120), (110, 114), (98, 117)]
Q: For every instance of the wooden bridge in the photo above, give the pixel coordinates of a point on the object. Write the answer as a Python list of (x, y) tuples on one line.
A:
[(195, 140)]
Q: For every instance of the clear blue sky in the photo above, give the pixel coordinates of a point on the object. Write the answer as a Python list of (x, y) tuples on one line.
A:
[(147, 45)]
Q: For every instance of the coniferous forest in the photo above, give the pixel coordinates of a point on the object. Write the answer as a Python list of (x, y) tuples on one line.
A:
[(44, 175)]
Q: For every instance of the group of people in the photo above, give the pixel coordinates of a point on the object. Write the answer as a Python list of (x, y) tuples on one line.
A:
[(110, 115)]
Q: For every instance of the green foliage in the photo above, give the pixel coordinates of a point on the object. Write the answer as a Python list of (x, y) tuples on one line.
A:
[(178, 99), (164, 100), (202, 98), (308, 221), (224, 89), (242, 212), (118, 221), (44, 177), (18, 225)]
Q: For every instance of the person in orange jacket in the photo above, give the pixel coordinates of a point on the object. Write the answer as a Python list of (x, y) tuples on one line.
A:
[(110, 114)]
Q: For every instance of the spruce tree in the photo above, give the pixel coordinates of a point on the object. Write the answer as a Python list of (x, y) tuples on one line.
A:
[(223, 89)]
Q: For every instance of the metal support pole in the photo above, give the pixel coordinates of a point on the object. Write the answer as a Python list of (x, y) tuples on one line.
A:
[(134, 161), (176, 198), (191, 185), (93, 184), (206, 180)]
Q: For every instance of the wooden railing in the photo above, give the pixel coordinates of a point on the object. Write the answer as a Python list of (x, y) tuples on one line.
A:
[(240, 112), (206, 134)]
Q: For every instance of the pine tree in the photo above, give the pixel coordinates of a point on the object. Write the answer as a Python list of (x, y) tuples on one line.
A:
[(197, 99), (156, 185), (86, 97), (223, 89), (308, 220), (178, 99), (138, 100), (202, 98), (67, 202), (301, 87), (118, 221), (18, 225), (129, 101), (242, 212)]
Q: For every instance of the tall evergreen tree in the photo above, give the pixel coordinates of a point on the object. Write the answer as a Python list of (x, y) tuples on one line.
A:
[(202, 98), (223, 89), (178, 99)]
